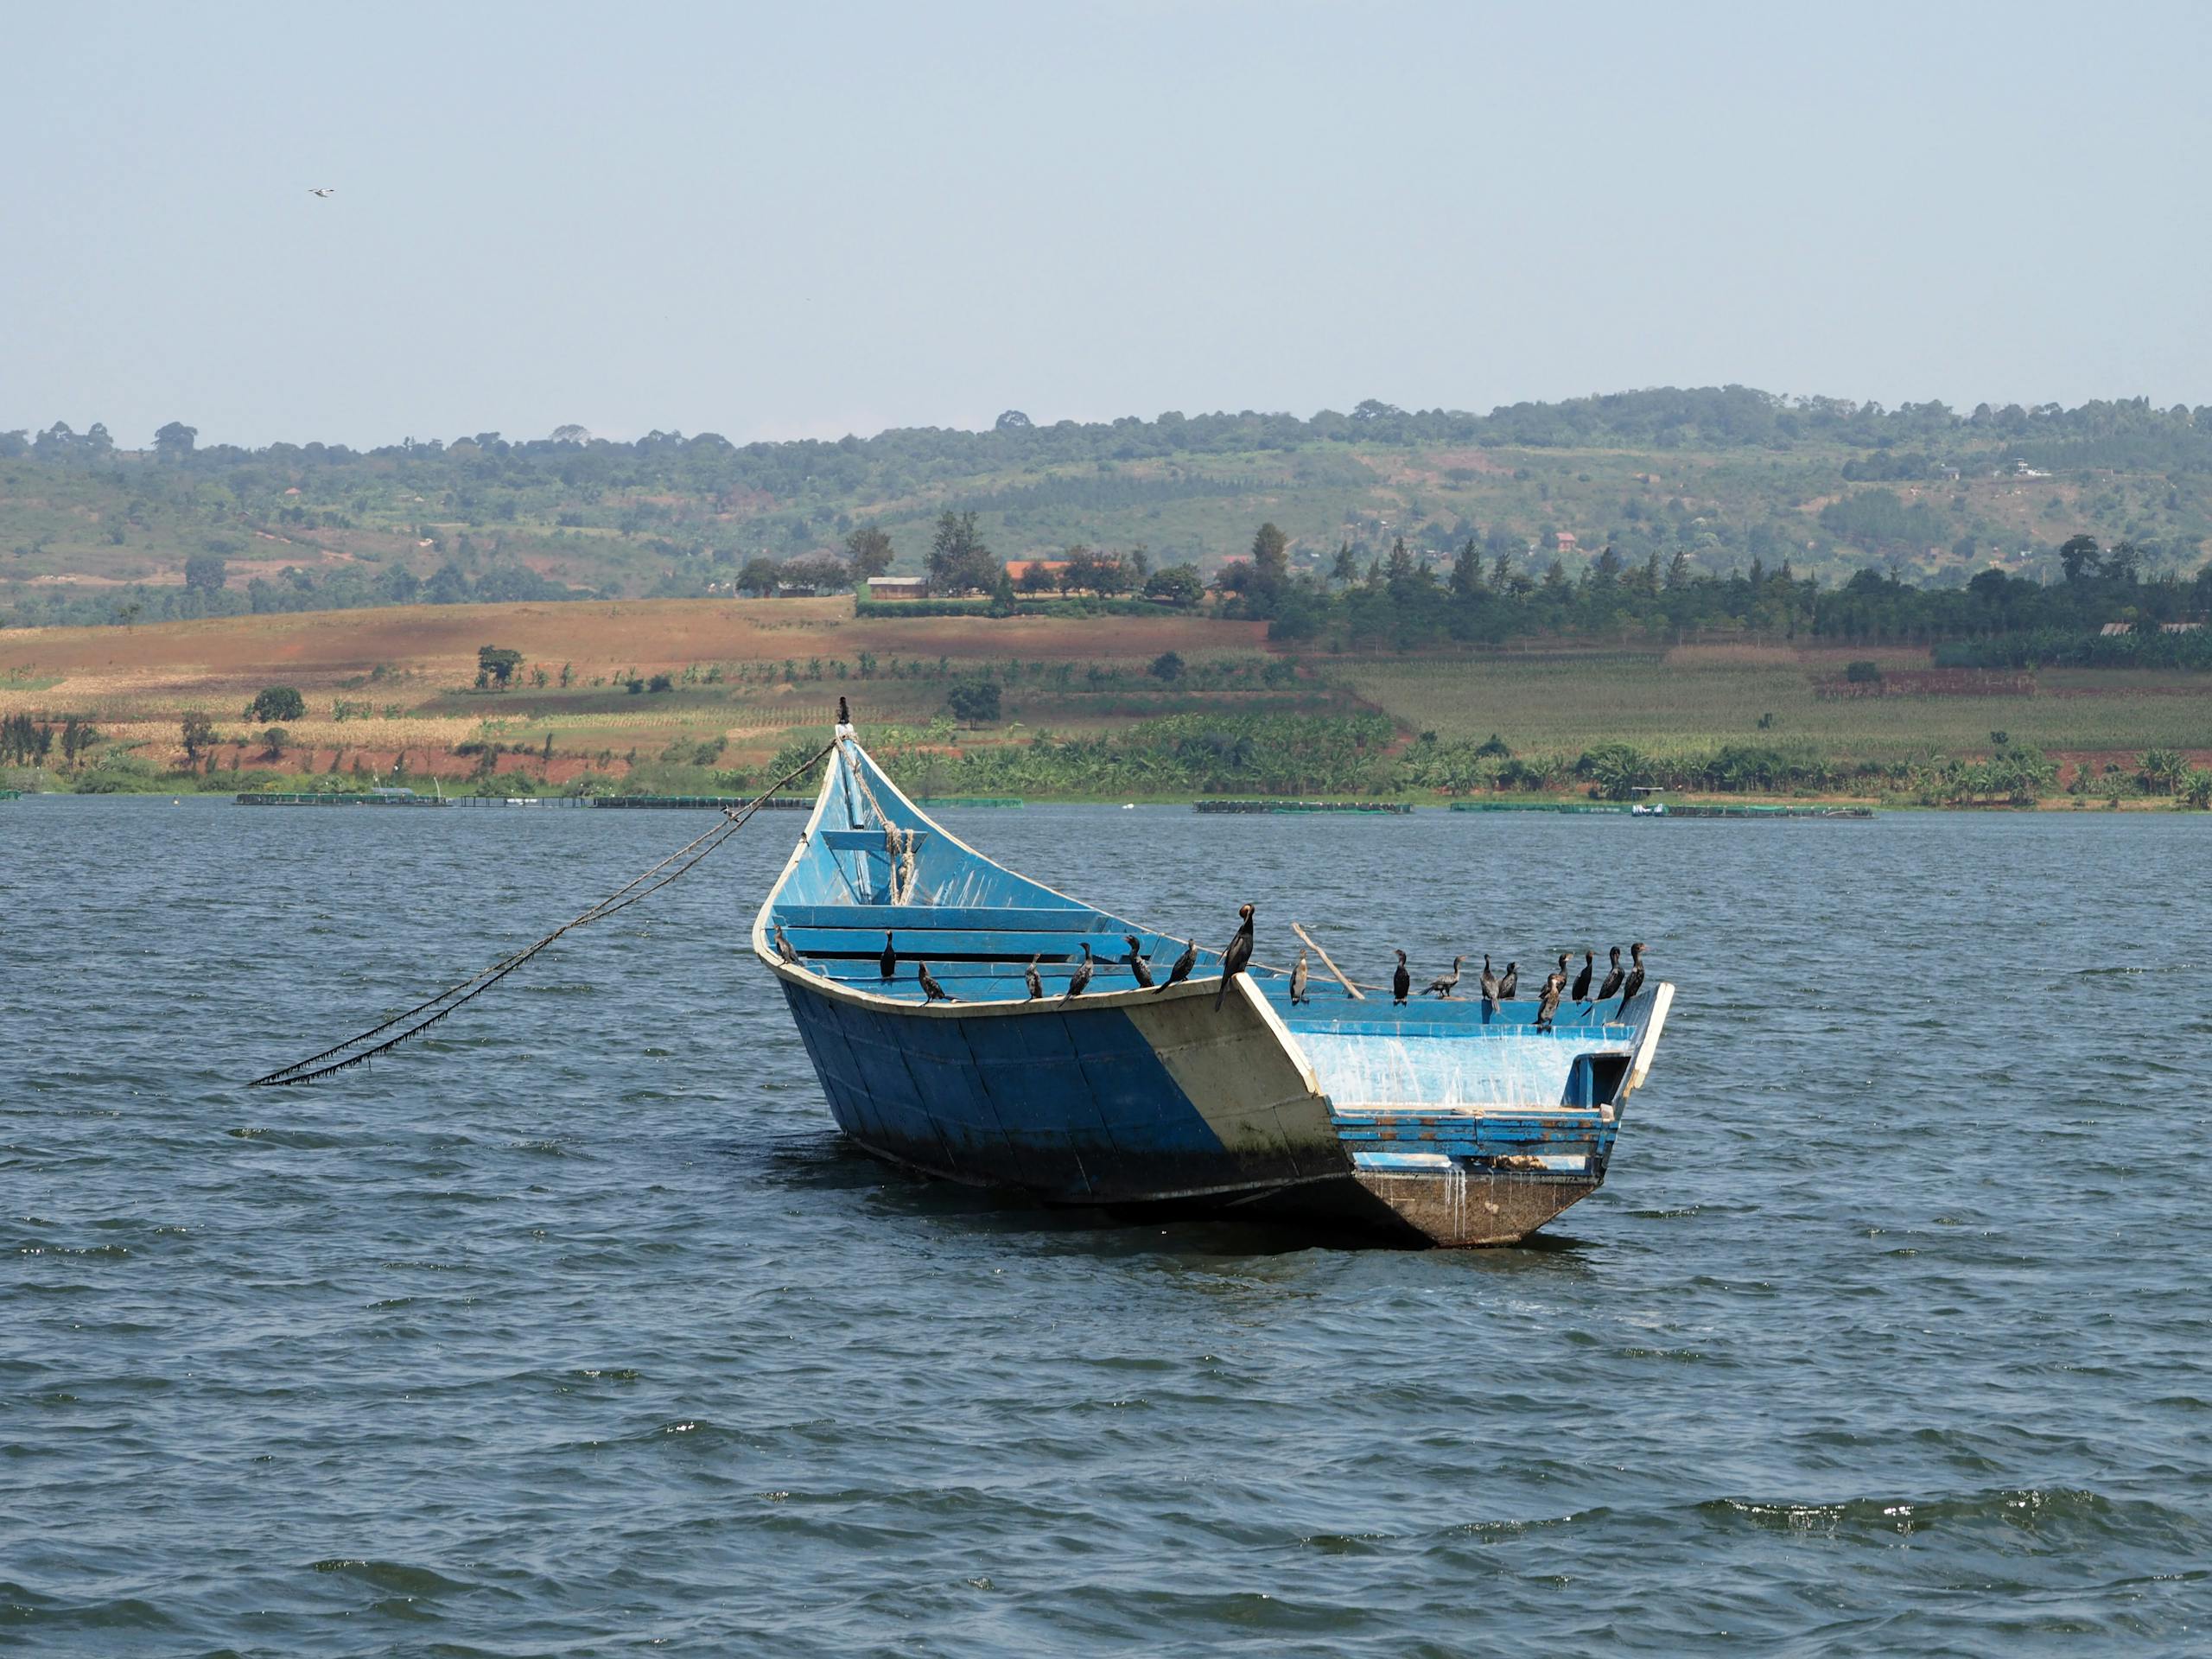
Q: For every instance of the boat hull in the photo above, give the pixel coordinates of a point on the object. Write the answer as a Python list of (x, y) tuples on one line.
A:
[(975, 1025), (1171, 1108), (1107, 1101)]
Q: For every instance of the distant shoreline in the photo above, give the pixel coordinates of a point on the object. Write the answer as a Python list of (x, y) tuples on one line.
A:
[(685, 697)]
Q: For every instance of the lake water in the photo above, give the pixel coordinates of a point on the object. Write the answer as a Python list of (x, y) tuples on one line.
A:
[(578, 1330)]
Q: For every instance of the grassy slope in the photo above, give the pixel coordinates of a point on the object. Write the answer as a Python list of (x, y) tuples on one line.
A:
[(95, 527), (1697, 698), (407, 674)]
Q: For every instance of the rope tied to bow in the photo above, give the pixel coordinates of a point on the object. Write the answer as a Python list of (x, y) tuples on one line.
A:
[(419, 1019)]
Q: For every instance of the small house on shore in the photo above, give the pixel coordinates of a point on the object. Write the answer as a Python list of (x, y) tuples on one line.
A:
[(898, 586)]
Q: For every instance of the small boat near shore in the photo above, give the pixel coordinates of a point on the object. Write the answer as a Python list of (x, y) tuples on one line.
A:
[(1445, 1121)]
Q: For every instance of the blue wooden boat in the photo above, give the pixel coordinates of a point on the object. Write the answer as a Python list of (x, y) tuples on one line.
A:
[(1441, 1119)]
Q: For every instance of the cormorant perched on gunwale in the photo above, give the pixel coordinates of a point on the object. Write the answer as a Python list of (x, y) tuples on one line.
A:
[(1444, 984), (1547, 1004), (1489, 986), (1181, 969), (1511, 983), (931, 991), (785, 954), (1582, 980), (1081, 980), (1634, 979), (1612, 976), (888, 963), (1238, 953), (1036, 985), (1402, 980), (1138, 969), (1297, 977)]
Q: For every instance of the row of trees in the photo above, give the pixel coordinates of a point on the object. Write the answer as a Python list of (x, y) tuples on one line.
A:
[(1409, 600), (27, 743), (961, 562), (206, 592), (1664, 416), (1306, 754)]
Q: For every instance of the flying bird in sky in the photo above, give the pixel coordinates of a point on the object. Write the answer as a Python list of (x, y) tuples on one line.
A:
[(322, 190)]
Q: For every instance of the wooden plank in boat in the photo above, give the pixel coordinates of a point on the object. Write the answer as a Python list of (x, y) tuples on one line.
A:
[(926, 918)]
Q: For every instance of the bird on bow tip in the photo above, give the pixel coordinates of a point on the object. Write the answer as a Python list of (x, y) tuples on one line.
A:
[(1239, 953)]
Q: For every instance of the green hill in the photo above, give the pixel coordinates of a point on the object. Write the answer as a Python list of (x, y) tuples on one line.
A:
[(89, 533)]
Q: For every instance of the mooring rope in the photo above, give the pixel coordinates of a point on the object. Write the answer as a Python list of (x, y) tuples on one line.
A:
[(897, 844), (475, 985)]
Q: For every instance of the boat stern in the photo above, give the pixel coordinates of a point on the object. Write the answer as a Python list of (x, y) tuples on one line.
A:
[(1474, 1126)]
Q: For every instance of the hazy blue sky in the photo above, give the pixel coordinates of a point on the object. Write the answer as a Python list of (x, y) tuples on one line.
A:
[(810, 220)]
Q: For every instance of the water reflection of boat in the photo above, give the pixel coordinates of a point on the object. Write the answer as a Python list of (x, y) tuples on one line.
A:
[(1440, 1119)]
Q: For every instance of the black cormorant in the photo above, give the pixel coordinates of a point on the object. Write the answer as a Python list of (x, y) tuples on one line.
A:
[(1547, 1004), (1489, 986), (1401, 979), (1634, 979), (1445, 984), (1612, 976), (1234, 958), (1036, 985), (1081, 980), (1511, 982), (888, 963), (1138, 969), (1582, 979), (931, 991), (1181, 969), (785, 954)]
